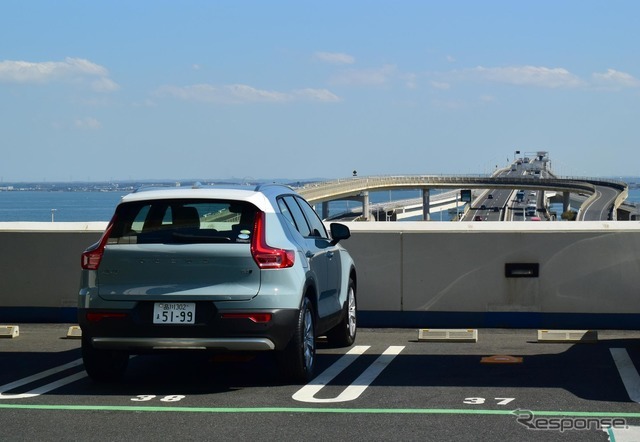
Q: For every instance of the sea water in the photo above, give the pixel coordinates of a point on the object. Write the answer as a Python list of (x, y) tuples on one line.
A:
[(71, 206)]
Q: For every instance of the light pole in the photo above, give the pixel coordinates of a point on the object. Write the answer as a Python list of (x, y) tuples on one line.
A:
[(52, 214)]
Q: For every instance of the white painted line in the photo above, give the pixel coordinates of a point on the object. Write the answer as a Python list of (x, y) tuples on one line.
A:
[(44, 388), (629, 434), (628, 372), (353, 391), (306, 393)]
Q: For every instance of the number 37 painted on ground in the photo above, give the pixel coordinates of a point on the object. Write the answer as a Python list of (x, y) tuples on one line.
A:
[(481, 400)]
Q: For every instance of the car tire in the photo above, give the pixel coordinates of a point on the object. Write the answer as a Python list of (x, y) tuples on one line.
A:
[(297, 361), (344, 334), (103, 365)]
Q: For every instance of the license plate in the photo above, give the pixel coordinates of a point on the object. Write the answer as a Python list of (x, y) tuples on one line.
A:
[(174, 313)]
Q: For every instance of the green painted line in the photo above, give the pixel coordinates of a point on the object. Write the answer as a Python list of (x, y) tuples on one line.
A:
[(451, 411)]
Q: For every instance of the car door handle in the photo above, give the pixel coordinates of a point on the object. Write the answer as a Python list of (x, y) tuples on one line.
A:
[(329, 255)]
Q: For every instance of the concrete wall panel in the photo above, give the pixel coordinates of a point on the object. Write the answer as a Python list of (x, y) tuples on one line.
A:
[(378, 258), (410, 268)]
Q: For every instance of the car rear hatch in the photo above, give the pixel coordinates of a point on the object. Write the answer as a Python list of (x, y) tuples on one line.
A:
[(149, 272), (178, 249)]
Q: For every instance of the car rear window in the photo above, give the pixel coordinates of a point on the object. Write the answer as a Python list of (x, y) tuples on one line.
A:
[(176, 221)]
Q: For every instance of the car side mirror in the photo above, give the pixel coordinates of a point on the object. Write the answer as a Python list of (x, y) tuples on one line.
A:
[(338, 232)]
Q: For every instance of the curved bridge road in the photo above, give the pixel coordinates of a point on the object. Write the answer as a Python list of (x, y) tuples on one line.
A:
[(603, 195), (600, 205)]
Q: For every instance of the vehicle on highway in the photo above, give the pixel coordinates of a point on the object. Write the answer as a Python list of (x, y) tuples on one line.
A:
[(490, 196), (248, 268), (477, 218)]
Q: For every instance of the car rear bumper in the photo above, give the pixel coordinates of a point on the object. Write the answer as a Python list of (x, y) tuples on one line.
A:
[(134, 332), (157, 344)]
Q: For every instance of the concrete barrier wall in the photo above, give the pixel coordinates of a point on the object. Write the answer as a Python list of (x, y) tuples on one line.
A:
[(409, 273), (40, 269)]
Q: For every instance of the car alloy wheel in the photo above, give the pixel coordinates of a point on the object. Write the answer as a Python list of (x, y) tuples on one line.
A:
[(344, 334), (297, 361)]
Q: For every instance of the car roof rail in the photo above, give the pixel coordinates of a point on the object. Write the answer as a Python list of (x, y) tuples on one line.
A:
[(261, 186), (198, 185), (148, 187)]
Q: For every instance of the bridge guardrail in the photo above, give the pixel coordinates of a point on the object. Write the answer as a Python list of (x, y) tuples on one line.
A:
[(319, 192)]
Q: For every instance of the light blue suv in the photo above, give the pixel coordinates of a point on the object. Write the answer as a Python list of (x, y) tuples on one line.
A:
[(215, 269)]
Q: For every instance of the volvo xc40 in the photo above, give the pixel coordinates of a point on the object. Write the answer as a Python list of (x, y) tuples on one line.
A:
[(249, 269)]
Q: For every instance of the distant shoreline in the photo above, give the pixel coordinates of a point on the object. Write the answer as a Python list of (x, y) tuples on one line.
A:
[(130, 185)]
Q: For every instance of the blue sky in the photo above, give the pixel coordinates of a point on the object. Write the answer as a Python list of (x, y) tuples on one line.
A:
[(124, 90)]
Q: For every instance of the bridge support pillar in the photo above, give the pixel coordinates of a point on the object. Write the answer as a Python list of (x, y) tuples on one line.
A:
[(566, 201), (425, 205), (325, 210), (365, 206)]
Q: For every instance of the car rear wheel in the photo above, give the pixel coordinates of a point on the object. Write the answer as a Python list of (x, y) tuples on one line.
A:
[(297, 361), (344, 334), (103, 365)]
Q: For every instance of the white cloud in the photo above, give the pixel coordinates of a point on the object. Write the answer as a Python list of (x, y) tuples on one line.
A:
[(440, 85), (537, 76), (87, 123), (365, 77), (71, 69), (241, 93), (410, 80), (147, 102), (317, 95), (104, 84), (246, 93), (334, 58), (616, 79)]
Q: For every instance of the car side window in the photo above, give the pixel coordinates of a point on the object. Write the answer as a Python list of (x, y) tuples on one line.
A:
[(315, 223), (296, 213), (284, 209)]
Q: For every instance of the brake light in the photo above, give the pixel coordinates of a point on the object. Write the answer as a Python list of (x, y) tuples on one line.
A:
[(258, 318), (93, 255), (264, 255)]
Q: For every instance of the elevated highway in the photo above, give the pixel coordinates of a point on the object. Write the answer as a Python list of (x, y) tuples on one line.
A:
[(603, 196)]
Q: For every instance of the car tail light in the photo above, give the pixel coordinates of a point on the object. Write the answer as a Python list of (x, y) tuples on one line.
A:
[(264, 255), (258, 318), (93, 255)]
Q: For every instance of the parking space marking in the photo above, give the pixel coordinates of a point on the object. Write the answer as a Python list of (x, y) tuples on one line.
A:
[(628, 372), (629, 434), (289, 410), (353, 391), (44, 388)]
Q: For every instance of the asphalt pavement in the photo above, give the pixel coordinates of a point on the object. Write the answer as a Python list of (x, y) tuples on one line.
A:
[(388, 386)]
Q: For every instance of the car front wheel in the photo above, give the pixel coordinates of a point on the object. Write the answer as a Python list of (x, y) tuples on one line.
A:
[(297, 361)]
